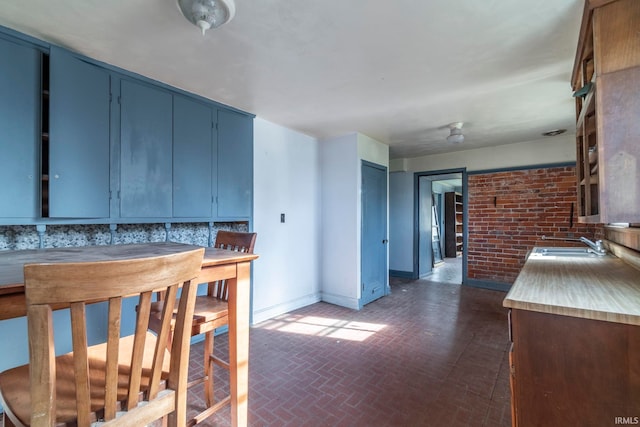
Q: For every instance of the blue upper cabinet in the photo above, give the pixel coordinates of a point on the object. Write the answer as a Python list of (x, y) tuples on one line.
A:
[(235, 165), (78, 137), (19, 130), (145, 151), (84, 142), (193, 142)]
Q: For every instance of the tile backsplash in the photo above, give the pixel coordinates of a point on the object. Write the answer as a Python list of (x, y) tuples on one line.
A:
[(16, 237)]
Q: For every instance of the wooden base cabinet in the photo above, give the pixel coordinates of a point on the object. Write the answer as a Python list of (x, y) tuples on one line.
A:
[(569, 371)]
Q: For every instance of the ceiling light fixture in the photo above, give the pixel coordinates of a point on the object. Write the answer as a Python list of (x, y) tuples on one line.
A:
[(455, 135), (206, 14), (554, 132)]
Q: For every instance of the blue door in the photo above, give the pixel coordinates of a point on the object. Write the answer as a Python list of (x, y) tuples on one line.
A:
[(373, 264), (425, 227)]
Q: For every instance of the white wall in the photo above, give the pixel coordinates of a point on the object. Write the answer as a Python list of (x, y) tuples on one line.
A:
[(340, 221), (286, 180), (558, 149), (341, 213), (372, 150)]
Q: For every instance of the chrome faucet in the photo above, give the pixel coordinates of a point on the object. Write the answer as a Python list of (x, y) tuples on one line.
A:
[(596, 246)]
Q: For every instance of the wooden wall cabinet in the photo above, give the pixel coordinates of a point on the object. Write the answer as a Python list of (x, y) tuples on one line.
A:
[(194, 142), (87, 143), (453, 209), (78, 143), (146, 137), (235, 165), (19, 130), (570, 371), (606, 82)]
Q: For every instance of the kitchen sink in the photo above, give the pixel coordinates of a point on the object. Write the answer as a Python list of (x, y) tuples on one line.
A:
[(567, 251)]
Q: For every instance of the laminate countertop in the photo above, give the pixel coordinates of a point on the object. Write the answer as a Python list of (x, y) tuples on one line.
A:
[(599, 288)]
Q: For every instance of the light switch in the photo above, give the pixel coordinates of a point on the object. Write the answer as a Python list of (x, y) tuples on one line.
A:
[(281, 217)]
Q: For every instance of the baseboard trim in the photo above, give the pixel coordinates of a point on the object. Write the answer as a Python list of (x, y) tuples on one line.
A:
[(341, 300), (402, 274), (486, 284), (278, 309)]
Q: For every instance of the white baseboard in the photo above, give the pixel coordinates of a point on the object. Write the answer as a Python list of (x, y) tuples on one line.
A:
[(276, 310), (341, 300)]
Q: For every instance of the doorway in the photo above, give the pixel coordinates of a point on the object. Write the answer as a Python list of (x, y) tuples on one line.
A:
[(441, 222)]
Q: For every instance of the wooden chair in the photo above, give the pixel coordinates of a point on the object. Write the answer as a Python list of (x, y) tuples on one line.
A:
[(129, 381), (211, 312)]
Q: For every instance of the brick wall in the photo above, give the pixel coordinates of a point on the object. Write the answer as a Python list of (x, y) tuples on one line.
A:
[(509, 212)]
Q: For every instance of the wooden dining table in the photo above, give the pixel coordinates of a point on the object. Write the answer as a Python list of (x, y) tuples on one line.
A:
[(217, 264)]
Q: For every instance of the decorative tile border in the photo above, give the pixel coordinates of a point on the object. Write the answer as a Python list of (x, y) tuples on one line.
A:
[(18, 237)]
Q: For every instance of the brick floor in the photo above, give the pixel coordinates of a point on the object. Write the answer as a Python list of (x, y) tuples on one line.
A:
[(429, 354)]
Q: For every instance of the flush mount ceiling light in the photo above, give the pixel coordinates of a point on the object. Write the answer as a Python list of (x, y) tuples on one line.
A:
[(455, 135), (554, 132), (206, 14)]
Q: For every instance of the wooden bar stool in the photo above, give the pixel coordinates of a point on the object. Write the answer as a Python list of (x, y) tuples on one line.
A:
[(211, 312), (129, 381)]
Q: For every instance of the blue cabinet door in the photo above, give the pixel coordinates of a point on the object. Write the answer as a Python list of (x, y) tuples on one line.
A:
[(145, 151), (78, 138), (235, 165), (192, 158), (19, 130)]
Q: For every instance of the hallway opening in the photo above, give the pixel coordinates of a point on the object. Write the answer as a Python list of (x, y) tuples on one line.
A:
[(440, 231)]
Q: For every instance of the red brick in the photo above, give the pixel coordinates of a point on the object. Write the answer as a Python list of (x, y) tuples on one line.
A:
[(510, 211)]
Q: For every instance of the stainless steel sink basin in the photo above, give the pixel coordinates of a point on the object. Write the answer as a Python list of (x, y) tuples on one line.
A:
[(568, 252)]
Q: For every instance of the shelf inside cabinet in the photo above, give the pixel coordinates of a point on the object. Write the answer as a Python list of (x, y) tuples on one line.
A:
[(606, 71), (588, 107), (453, 234)]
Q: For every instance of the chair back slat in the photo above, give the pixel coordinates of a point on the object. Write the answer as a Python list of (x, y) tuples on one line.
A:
[(116, 376), (233, 241), (236, 241), (113, 346), (81, 361), (163, 336), (43, 374), (135, 375)]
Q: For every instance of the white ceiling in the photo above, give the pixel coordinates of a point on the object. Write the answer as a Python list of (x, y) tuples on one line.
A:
[(398, 71)]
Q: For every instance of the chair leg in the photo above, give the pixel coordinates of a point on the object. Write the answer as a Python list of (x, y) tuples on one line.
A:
[(208, 372), (6, 422)]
